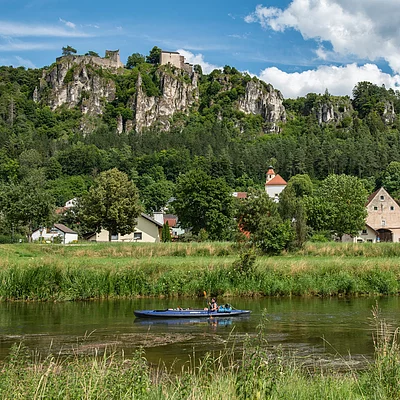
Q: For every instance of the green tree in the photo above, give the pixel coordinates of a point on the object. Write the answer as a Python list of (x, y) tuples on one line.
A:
[(203, 202), (391, 178), (134, 60), (92, 53), (339, 205), (292, 207), (68, 50), (156, 195), (112, 203), (258, 215), (166, 233), (27, 205), (154, 55)]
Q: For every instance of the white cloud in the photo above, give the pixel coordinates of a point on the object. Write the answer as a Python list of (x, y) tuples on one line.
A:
[(366, 28), (338, 80), (198, 59), (25, 62), (11, 45), (15, 29), (69, 24)]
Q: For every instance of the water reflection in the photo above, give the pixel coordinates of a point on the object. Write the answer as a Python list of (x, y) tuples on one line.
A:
[(313, 327)]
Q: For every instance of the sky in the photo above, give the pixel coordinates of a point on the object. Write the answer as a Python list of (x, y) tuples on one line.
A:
[(299, 46)]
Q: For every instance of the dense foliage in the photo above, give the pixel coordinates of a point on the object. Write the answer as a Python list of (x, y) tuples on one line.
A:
[(215, 139)]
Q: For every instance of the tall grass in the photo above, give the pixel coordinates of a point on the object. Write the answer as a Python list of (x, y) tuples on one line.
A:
[(256, 374), (35, 272)]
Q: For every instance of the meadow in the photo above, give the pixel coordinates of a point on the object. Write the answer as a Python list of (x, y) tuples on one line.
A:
[(128, 270)]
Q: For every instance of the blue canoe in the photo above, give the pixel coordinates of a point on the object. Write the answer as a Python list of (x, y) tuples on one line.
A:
[(190, 313)]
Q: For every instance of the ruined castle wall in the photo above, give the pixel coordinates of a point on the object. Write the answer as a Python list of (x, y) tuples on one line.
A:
[(174, 59)]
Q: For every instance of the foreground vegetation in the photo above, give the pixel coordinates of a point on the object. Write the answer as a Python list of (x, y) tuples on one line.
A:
[(95, 271), (257, 374)]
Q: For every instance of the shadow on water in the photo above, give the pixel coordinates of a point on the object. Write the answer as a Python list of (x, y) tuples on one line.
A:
[(326, 331)]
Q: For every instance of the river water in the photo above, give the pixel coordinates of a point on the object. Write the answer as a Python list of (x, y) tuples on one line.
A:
[(337, 331)]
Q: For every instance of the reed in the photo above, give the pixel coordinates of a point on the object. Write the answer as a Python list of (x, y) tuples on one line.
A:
[(98, 271)]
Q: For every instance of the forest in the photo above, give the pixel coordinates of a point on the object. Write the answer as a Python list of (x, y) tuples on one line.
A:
[(47, 159)]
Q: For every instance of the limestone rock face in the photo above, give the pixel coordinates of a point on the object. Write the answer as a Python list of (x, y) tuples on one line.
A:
[(333, 110), (388, 114), (262, 99), (74, 81), (179, 92)]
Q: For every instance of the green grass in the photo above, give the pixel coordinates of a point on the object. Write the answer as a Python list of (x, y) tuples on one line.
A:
[(94, 271)]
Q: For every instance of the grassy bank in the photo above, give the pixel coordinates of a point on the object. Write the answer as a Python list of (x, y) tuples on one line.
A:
[(255, 375), (46, 272)]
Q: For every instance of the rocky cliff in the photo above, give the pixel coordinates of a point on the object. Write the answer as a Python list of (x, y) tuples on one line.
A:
[(262, 99), (91, 83), (179, 92), (333, 110), (76, 81)]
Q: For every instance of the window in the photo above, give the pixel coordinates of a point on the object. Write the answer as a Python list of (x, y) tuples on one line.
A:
[(383, 222), (364, 232), (137, 235), (391, 208), (375, 208), (382, 198), (114, 236)]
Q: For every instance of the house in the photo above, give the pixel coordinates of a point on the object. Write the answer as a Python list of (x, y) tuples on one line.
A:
[(383, 220), (368, 234), (58, 232), (173, 224), (147, 230), (384, 216), (274, 184)]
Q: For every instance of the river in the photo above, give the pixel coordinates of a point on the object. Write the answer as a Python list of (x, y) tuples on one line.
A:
[(332, 331)]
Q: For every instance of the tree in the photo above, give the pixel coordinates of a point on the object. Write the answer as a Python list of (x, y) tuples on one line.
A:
[(68, 50), (154, 55), (112, 203), (156, 195), (292, 207), (203, 202), (27, 205), (92, 53), (339, 205), (166, 233), (391, 178), (258, 215), (134, 60)]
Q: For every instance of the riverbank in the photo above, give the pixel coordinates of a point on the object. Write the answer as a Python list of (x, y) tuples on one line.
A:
[(257, 374), (98, 271)]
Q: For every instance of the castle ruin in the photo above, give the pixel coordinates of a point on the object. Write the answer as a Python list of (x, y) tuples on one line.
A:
[(111, 60), (175, 59)]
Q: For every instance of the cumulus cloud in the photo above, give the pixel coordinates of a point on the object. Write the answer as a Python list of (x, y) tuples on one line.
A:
[(338, 80), (198, 59), (366, 28)]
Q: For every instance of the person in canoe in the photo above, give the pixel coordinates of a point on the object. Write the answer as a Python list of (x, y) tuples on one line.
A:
[(213, 306)]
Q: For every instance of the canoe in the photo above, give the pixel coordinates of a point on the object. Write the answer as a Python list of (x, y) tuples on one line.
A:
[(190, 313)]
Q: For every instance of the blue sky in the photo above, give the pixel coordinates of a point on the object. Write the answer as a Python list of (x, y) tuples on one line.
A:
[(299, 46)]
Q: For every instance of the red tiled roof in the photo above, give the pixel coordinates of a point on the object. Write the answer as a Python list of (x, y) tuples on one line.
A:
[(270, 172), (241, 195), (277, 180)]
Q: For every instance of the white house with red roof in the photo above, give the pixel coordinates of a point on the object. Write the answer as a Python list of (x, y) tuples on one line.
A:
[(274, 184)]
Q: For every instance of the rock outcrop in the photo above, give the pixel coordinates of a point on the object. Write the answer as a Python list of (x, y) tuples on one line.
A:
[(333, 110), (178, 94), (76, 81), (262, 99)]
